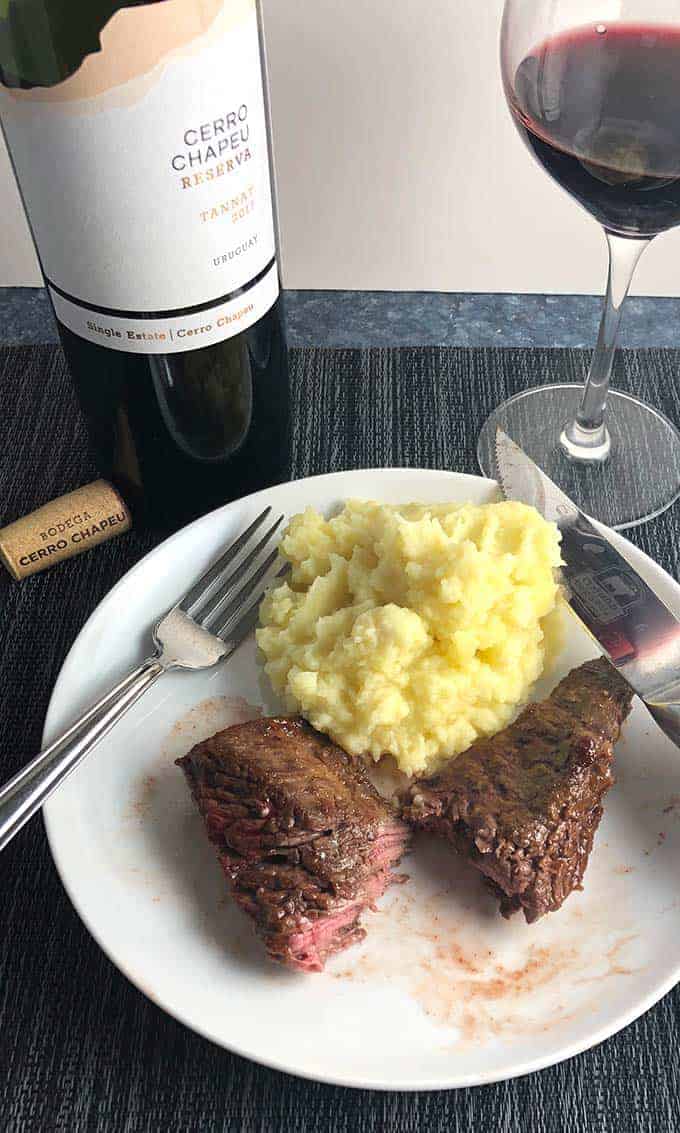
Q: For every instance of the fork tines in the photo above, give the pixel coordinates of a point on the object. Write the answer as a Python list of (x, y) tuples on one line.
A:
[(231, 589)]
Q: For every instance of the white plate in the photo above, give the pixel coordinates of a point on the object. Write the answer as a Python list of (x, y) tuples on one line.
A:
[(443, 992)]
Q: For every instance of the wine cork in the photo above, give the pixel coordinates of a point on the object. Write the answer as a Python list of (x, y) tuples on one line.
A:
[(63, 528)]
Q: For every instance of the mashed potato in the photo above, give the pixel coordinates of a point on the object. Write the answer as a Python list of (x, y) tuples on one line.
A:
[(412, 630)]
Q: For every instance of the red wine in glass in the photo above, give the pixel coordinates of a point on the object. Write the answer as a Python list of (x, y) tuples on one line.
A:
[(594, 89), (599, 107)]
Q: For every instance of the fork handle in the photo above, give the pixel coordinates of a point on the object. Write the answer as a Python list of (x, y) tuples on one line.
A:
[(26, 792)]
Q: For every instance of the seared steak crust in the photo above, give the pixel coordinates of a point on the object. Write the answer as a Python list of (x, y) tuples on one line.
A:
[(305, 841), (524, 806)]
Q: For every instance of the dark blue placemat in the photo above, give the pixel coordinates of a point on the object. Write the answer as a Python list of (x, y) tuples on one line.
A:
[(80, 1048)]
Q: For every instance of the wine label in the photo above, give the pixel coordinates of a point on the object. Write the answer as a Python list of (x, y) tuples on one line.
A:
[(143, 163), (63, 528)]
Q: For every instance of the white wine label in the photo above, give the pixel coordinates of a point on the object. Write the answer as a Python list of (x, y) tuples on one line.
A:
[(145, 174), (163, 334)]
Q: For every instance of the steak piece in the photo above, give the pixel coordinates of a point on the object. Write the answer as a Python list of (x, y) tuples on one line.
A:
[(524, 806), (305, 841)]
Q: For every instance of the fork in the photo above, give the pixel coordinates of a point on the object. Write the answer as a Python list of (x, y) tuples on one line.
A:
[(206, 626)]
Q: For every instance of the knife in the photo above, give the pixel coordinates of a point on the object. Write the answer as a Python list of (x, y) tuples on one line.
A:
[(621, 612)]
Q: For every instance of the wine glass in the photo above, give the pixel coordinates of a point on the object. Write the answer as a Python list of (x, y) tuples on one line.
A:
[(594, 89)]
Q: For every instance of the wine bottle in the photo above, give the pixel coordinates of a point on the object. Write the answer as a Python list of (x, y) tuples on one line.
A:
[(138, 134)]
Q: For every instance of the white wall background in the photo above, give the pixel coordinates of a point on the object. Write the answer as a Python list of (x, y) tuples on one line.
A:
[(398, 166)]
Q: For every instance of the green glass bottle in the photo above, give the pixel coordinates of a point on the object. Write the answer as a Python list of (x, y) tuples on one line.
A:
[(138, 133)]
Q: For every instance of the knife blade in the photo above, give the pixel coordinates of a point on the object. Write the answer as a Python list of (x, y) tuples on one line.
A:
[(624, 615)]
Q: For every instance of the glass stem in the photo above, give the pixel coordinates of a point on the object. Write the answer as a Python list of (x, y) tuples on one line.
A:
[(587, 439)]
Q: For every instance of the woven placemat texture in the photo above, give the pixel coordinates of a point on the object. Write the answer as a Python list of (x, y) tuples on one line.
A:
[(80, 1048)]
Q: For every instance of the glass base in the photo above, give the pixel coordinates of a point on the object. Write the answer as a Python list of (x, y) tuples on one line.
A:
[(639, 481)]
